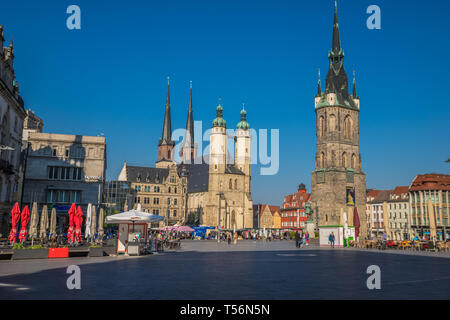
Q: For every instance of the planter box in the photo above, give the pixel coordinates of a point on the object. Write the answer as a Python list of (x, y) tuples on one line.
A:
[(21, 254), (58, 253), (96, 252), (110, 250)]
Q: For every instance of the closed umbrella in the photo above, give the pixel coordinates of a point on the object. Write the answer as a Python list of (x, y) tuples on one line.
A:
[(34, 219), (356, 222), (44, 223), (386, 218), (53, 223), (87, 233), (432, 217), (25, 218), (15, 217), (93, 223), (100, 224), (78, 222), (70, 231)]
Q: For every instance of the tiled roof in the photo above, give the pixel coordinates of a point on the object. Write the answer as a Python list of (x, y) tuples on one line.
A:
[(146, 174), (433, 181)]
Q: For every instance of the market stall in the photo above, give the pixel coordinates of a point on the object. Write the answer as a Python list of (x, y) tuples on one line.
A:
[(133, 226)]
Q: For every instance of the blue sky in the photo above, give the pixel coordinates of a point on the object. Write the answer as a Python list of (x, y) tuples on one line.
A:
[(110, 76)]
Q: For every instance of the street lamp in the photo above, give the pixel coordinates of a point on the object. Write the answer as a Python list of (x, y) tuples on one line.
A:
[(220, 194)]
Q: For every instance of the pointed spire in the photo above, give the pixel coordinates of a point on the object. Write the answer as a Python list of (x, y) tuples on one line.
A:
[(354, 86), (336, 46), (319, 86), (166, 138), (189, 138)]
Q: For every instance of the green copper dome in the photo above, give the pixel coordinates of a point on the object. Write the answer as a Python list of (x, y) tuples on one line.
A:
[(243, 125), (219, 121)]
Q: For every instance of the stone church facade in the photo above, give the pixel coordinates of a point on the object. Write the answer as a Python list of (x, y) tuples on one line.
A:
[(188, 192), (338, 183), (219, 191)]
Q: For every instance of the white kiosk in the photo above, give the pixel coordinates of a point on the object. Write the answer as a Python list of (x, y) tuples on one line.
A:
[(133, 227)]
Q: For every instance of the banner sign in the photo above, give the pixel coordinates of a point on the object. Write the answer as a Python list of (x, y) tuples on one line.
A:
[(350, 196)]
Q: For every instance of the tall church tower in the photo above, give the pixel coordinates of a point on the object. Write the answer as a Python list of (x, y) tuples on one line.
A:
[(218, 146), (242, 150), (166, 144), (338, 183), (188, 149)]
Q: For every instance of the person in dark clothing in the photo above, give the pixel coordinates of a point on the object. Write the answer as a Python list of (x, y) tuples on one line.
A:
[(331, 239), (297, 239)]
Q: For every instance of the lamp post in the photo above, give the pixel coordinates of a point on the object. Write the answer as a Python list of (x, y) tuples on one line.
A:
[(220, 194)]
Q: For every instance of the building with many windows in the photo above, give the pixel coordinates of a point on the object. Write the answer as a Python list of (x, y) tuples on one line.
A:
[(12, 114), (398, 213), (61, 169), (293, 210), (434, 188)]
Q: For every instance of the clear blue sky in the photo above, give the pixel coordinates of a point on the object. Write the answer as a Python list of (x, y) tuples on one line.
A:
[(110, 77)]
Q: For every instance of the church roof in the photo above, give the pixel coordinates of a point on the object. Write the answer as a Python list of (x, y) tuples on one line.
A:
[(147, 174), (198, 175)]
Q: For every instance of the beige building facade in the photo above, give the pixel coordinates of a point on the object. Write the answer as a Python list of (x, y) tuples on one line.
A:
[(219, 191), (62, 169)]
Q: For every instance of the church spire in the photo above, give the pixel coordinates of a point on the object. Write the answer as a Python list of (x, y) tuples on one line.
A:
[(354, 86), (166, 138), (319, 86), (189, 138), (336, 46)]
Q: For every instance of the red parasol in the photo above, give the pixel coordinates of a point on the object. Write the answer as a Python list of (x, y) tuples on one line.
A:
[(25, 219), (15, 217), (78, 222), (356, 222), (72, 212)]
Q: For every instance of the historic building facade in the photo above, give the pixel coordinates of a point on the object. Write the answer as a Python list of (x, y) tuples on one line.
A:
[(293, 210), (12, 114), (162, 189), (219, 192), (61, 169), (426, 188), (399, 214), (338, 181)]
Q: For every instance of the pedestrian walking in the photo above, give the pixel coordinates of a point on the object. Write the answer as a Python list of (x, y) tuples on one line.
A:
[(331, 239), (297, 239)]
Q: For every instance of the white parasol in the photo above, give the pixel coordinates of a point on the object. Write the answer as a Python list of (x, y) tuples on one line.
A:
[(87, 233)]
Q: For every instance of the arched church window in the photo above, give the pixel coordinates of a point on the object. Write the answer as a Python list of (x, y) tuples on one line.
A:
[(322, 160), (332, 125), (321, 126), (235, 184), (344, 160), (348, 127), (354, 161), (230, 185)]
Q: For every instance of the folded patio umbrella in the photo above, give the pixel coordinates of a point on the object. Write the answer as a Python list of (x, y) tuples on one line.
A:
[(432, 217), (93, 222), (386, 218), (15, 217), (87, 232), (44, 223), (356, 222), (78, 222), (100, 224), (25, 218), (53, 223), (70, 231), (34, 222)]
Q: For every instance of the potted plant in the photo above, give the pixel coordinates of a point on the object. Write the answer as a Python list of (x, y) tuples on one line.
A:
[(33, 252), (95, 251)]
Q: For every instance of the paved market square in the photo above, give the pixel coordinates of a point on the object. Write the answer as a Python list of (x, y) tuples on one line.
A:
[(249, 270)]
